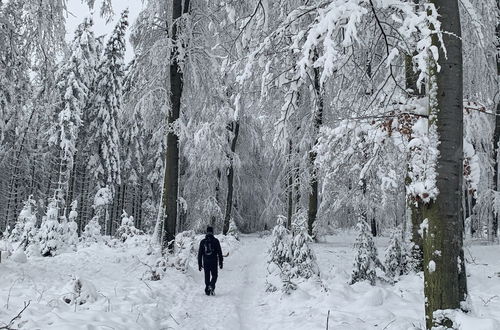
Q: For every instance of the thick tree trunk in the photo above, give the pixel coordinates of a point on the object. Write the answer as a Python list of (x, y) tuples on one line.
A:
[(235, 128), (496, 136), (444, 283), (317, 122), (171, 181)]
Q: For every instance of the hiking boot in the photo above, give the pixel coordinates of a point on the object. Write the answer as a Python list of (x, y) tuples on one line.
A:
[(211, 291), (207, 291)]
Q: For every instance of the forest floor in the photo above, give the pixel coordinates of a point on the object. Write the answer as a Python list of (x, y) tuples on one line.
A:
[(116, 278)]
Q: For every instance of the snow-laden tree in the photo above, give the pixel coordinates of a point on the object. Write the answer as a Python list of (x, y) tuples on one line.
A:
[(25, 229), (366, 256), (26, 215), (92, 231), (74, 81), (303, 258), (233, 230), (280, 268), (103, 135), (395, 259), (127, 228), (49, 235), (102, 200), (70, 234), (280, 251)]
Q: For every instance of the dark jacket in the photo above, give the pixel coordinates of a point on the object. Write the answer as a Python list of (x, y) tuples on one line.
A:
[(210, 252)]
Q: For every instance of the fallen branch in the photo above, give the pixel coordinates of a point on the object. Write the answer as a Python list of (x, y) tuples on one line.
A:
[(18, 316)]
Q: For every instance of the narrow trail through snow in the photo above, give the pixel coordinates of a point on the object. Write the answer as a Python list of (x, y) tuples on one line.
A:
[(237, 292)]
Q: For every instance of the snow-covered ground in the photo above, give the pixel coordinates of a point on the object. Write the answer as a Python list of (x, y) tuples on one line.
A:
[(124, 300)]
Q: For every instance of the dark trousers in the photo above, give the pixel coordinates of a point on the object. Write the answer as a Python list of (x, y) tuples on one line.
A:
[(210, 269)]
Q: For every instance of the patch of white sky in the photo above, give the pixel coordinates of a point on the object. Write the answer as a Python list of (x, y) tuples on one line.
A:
[(77, 11)]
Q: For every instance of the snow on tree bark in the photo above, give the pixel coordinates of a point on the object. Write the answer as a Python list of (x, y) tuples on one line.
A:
[(171, 179), (443, 265)]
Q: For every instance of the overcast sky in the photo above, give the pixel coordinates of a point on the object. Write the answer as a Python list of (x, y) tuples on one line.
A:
[(77, 11)]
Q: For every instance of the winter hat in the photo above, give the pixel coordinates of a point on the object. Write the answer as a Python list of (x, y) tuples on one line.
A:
[(210, 230)]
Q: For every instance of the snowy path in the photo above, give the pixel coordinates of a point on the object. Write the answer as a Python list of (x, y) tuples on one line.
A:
[(128, 300), (238, 287)]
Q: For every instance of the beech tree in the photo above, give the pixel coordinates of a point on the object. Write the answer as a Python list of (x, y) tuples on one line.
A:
[(171, 179), (444, 264)]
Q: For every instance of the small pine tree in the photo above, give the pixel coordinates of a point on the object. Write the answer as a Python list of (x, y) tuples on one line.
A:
[(26, 216), (415, 258), (303, 258), (102, 199), (366, 259), (233, 230), (280, 251), (127, 228), (92, 231), (280, 259), (70, 234), (394, 257), (49, 235)]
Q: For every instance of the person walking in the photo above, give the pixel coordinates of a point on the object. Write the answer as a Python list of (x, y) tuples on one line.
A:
[(209, 255)]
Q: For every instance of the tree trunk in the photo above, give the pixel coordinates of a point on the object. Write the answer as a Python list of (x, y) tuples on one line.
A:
[(289, 187), (318, 121), (417, 253), (373, 225), (235, 128), (213, 218), (443, 242), (496, 136), (171, 181)]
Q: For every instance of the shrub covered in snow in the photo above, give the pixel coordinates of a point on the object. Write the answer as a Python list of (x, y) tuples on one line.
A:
[(92, 231), (69, 229), (49, 234), (185, 249), (19, 256), (79, 291), (233, 230), (127, 228), (366, 259)]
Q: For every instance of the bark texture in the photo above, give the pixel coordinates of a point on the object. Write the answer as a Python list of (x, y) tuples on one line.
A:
[(235, 128), (171, 181), (443, 257), (312, 211)]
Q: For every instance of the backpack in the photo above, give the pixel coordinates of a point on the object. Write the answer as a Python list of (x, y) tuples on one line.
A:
[(208, 246)]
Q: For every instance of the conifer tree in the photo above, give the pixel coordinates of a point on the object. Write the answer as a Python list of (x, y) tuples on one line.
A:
[(280, 252), (92, 231), (25, 216), (49, 233), (127, 228), (366, 259), (103, 135), (394, 256), (25, 230), (74, 81), (70, 231), (303, 258)]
